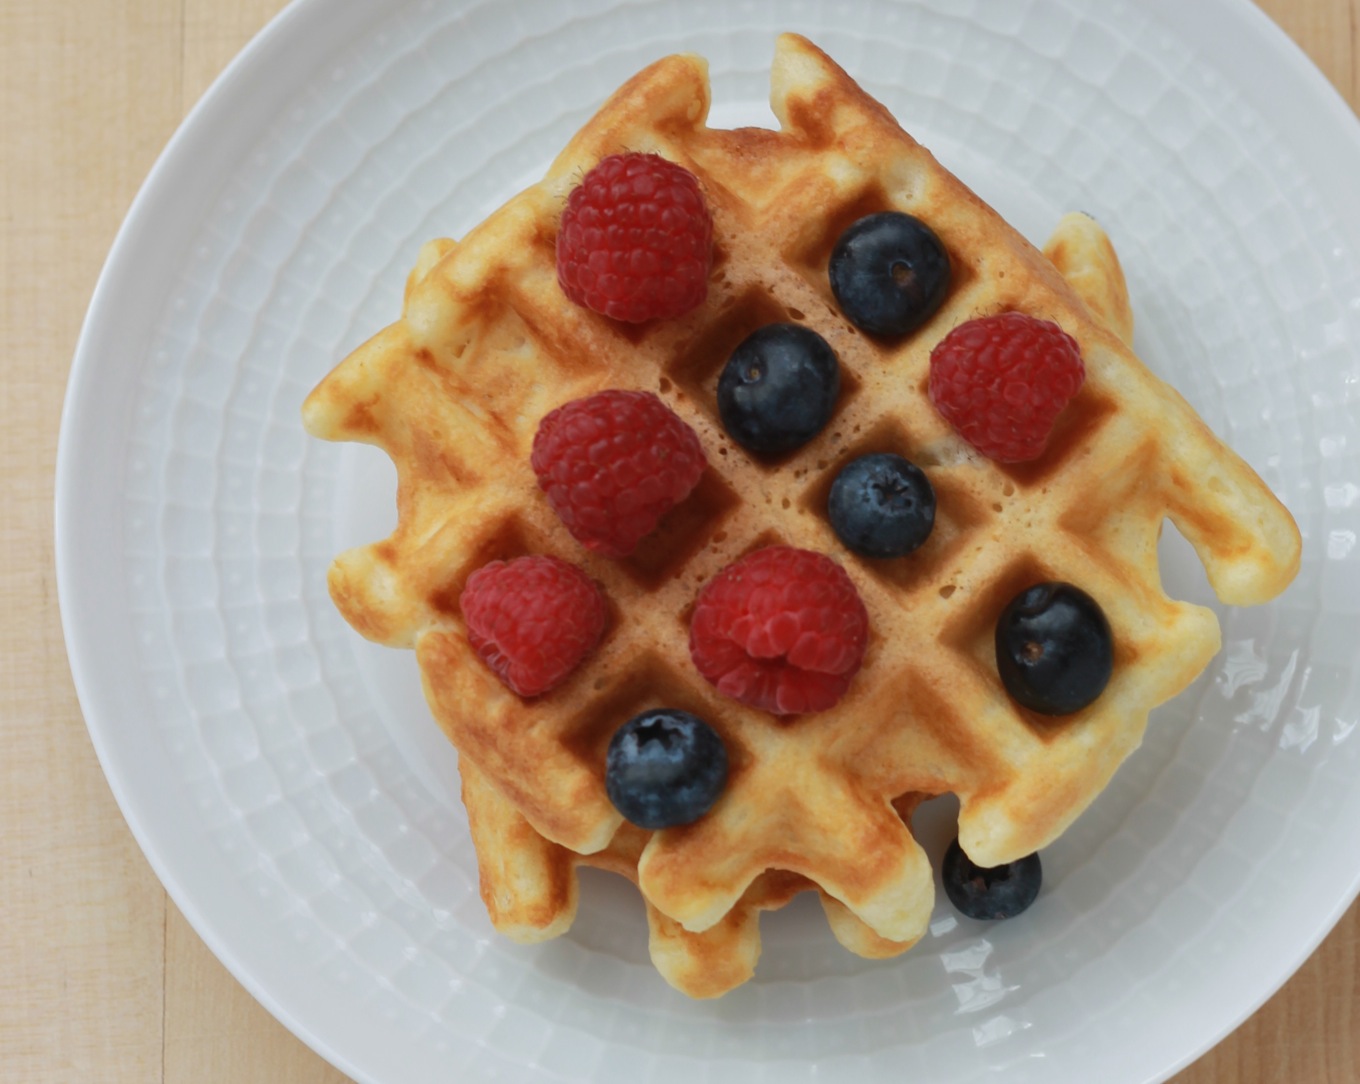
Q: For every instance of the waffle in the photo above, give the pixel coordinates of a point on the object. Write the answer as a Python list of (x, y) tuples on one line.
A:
[(487, 345)]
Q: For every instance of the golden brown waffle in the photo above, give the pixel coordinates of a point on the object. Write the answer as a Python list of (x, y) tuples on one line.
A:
[(487, 345)]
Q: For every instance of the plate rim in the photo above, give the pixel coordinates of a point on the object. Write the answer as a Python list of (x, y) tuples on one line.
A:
[(302, 28)]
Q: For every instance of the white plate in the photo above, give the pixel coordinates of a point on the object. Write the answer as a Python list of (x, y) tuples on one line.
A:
[(283, 776)]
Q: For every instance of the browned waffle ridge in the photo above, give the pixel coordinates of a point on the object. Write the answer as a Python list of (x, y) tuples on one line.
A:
[(487, 345)]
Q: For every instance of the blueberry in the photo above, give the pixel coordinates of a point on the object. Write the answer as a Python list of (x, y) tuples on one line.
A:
[(664, 768), (778, 388), (889, 273), (999, 892), (1054, 649), (881, 505)]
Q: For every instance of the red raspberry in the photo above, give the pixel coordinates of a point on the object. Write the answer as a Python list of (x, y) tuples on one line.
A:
[(1002, 381), (636, 240), (613, 464), (782, 630), (532, 620)]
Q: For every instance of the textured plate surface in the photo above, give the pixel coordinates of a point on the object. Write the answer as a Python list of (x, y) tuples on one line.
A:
[(284, 777)]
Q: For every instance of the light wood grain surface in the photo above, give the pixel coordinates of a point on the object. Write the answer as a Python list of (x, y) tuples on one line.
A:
[(101, 979)]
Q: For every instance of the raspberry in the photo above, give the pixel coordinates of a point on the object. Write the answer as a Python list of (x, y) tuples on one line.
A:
[(613, 464), (636, 240), (532, 620), (782, 630), (1002, 381)]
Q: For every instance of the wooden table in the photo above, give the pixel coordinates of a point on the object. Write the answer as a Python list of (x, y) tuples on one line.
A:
[(101, 979)]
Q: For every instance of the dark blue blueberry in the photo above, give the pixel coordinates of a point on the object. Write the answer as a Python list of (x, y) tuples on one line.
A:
[(664, 768), (999, 892), (881, 505), (778, 388), (1054, 649), (889, 273)]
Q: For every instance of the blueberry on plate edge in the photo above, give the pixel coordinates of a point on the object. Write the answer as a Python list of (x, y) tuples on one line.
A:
[(990, 893)]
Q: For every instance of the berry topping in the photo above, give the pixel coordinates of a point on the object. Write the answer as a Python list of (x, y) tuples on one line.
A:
[(889, 273), (782, 630), (613, 464), (1002, 381), (998, 892), (532, 620), (636, 240), (1054, 649), (778, 388), (881, 505), (665, 768)]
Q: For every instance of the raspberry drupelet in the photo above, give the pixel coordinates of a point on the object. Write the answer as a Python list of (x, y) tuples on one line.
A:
[(1001, 382), (636, 240), (782, 629), (532, 620), (612, 464)]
